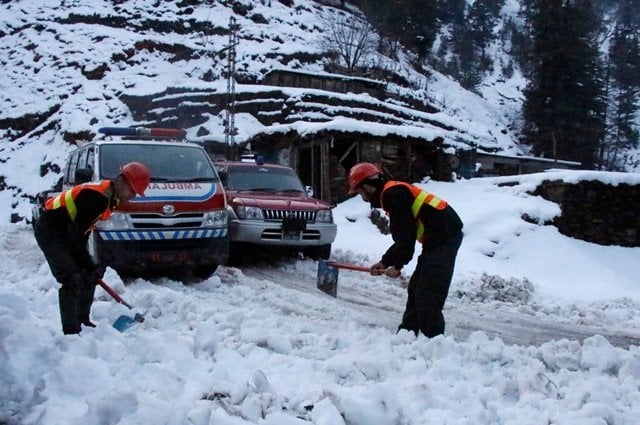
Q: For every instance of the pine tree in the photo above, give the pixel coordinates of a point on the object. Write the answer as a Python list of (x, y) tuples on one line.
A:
[(624, 95), (422, 25), (483, 16), (412, 23), (564, 106), (450, 11), (465, 64)]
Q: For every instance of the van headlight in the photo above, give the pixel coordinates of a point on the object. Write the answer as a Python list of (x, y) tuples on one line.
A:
[(116, 221), (323, 216), (217, 218), (249, 213)]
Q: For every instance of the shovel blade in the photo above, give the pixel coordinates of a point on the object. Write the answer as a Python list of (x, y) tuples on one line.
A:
[(327, 278), (123, 322)]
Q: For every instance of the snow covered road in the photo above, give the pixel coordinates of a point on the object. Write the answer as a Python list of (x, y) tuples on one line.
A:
[(259, 344)]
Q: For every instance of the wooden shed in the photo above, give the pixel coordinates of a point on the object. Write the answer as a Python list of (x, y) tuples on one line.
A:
[(324, 158)]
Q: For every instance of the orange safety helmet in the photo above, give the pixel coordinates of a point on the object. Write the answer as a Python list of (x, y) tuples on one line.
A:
[(138, 176), (361, 172)]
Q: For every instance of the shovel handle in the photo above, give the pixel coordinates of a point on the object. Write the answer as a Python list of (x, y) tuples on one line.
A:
[(113, 293), (349, 266)]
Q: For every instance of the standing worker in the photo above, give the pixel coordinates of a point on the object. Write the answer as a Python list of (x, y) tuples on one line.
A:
[(414, 214), (63, 230)]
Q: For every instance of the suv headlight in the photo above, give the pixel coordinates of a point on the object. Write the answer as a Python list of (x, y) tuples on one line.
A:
[(249, 213), (116, 221), (216, 218), (323, 216)]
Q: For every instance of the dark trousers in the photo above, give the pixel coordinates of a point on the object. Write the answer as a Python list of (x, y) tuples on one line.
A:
[(429, 287), (76, 294)]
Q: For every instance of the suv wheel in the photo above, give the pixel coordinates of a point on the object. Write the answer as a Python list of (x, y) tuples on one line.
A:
[(322, 252)]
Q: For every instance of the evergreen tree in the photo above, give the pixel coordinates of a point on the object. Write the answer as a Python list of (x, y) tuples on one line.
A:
[(412, 23), (564, 107), (422, 25), (450, 11), (451, 18), (624, 66), (464, 66), (483, 16)]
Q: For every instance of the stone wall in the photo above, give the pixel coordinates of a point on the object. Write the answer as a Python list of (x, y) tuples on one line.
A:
[(596, 212)]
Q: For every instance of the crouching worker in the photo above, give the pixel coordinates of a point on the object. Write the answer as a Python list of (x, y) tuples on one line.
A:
[(414, 214), (62, 233)]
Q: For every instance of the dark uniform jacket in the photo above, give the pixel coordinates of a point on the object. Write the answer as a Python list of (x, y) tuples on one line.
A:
[(55, 229), (439, 225)]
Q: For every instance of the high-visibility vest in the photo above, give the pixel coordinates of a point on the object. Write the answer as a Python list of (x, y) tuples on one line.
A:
[(67, 198), (421, 197)]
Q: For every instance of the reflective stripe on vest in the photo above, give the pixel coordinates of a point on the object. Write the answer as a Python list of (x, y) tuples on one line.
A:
[(421, 198), (67, 198)]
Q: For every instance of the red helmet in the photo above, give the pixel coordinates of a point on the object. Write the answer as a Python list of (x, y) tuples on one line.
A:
[(361, 172), (138, 176)]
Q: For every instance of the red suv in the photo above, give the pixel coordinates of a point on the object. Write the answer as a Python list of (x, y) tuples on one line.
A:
[(269, 205)]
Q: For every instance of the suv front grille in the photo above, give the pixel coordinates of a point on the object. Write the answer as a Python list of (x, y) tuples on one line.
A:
[(279, 215)]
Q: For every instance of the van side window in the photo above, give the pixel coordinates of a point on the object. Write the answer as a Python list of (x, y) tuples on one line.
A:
[(91, 158), (82, 159), (70, 175)]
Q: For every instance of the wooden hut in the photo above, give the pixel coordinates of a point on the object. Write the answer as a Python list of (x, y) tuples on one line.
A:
[(323, 158)]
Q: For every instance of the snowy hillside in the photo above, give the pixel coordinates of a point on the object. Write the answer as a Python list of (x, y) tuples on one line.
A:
[(66, 66)]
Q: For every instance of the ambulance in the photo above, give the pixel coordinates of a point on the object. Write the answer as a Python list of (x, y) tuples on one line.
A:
[(179, 226)]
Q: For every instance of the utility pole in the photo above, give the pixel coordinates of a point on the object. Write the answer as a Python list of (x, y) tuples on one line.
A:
[(230, 125)]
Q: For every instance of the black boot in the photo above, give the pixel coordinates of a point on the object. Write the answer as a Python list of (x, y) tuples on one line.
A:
[(71, 329), (86, 322), (85, 299)]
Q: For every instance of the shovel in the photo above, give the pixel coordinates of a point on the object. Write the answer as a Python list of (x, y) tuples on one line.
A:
[(123, 322), (328, 275)]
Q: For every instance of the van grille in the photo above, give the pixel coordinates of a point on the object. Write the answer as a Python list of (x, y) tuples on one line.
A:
[(279, 215), (159, 221)]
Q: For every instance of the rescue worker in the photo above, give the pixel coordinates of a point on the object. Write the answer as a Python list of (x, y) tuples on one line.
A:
[(414, 214), (63, 230)]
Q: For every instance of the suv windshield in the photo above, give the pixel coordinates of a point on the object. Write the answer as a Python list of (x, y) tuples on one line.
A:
[(167, 163), (263, 178)]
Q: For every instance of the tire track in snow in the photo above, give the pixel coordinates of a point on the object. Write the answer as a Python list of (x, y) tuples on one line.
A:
[(364, 298)]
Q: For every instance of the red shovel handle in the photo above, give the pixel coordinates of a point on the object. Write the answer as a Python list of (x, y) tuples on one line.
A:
[(349, 266), (113, 293)]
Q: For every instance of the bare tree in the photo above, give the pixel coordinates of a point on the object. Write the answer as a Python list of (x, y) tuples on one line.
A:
[(352, 37)]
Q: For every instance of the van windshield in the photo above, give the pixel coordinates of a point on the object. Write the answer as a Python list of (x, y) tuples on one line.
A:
[(166, 163)]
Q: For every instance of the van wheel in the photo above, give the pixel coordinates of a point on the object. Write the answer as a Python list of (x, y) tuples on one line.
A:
[(205, 272), (322, 252), (239, 253)]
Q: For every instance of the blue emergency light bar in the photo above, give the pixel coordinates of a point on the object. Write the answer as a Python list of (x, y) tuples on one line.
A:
[(142, 132)]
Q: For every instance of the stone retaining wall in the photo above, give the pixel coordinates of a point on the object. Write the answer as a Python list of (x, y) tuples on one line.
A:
[(596, 212)]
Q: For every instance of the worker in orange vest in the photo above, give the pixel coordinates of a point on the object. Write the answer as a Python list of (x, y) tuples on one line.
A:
[(62, 233), (414, 214)]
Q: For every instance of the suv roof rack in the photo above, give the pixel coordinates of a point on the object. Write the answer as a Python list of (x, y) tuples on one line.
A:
[(143, 132)]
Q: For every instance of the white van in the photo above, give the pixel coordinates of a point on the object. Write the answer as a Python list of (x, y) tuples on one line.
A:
[(181, 222)]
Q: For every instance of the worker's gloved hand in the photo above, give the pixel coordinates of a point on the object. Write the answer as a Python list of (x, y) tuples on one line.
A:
[(96, 273), (392, 272), (377, 269)]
